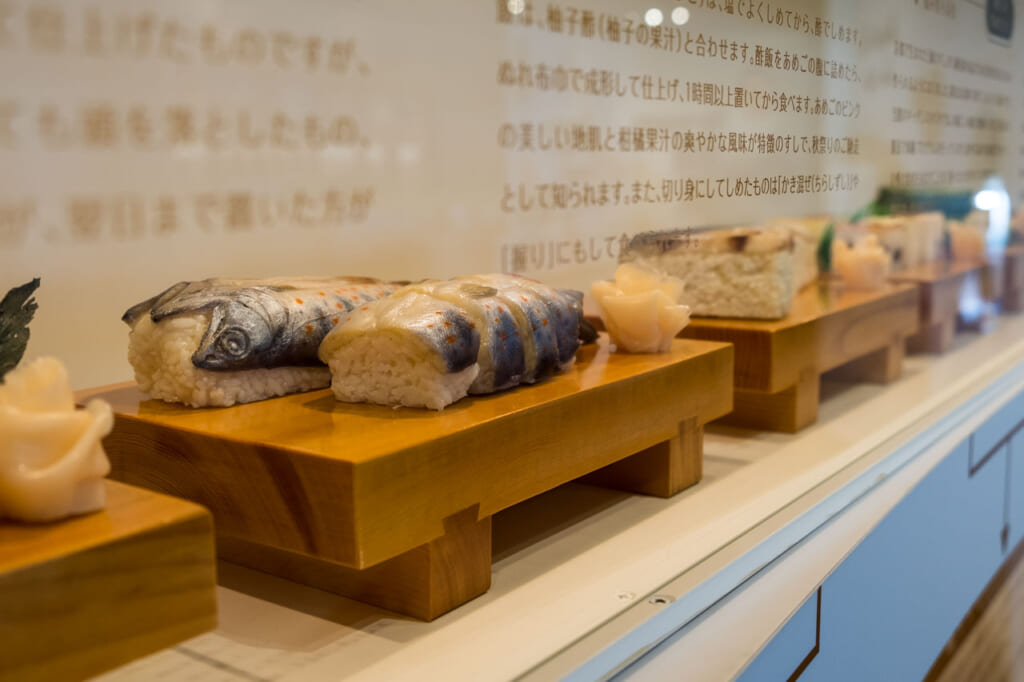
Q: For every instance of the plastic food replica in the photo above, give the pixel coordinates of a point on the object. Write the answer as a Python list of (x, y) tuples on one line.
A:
[(741, 272), (864, 265), (910, 240), (641, 309), (808, 236), (222, 341), (967, 241), (51, 462), (432, 343)]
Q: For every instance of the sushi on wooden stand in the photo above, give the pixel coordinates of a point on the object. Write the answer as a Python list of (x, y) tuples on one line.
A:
[(391, 503)]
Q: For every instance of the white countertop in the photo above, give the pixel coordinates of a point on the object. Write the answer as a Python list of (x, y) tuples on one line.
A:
[(575, 569)]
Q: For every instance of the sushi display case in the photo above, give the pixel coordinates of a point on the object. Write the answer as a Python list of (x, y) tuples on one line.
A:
[(393, 506), (78, 596), (780, 362)]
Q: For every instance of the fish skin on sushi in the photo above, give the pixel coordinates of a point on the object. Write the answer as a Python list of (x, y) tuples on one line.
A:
[(501, 352), (217, 342), (392, 352)]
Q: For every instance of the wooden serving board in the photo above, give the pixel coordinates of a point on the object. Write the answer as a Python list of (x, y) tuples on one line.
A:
[(779, 362), (1013, 279), (393, 506), (939, 285), (90, 593)]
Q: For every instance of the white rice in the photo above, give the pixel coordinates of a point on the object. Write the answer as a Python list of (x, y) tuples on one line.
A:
[(749, 284), (161, 355), (391, 369)]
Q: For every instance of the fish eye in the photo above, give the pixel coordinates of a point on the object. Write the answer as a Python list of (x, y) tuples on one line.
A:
[(233, 342)]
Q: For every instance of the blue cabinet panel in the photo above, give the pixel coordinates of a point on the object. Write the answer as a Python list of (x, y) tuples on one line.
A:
[(1015, 506), (890, 607), (995, 429)]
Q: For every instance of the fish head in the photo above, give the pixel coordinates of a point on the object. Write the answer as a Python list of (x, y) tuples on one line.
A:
[(239, 336)]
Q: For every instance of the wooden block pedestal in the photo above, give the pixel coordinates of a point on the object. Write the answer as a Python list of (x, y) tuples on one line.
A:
[(87, 594), (779, 362), (939, 286), (393, 506), (1013, 279)]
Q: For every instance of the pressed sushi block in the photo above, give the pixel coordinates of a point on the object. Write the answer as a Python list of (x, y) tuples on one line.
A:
[(911, 240), (87, 594), (393, 506), (227, 341), (749, 272), (810, 234), (432, 343), (779, 362), (939, 286)]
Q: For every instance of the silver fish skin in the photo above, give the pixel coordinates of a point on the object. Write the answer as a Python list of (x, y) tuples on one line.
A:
[(553, 319), (501, 355), (262, 323)]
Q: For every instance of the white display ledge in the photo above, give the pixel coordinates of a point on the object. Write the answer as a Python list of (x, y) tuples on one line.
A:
[(586, 580)]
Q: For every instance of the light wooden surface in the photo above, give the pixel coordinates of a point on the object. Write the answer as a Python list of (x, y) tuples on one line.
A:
[(992, 276), (425, 582), (356, 485), (939, 285), (1013, 288), (93, 592), (989, 644), (779, 362), (661, 470)]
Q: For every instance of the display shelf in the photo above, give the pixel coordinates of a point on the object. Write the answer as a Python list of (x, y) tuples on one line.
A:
[(394, 506), (939, 286), (779, 363), (89, 593), (585, 578)]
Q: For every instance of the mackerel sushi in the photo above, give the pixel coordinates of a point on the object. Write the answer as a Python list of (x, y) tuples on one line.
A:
[(217, 342), (432, 343)]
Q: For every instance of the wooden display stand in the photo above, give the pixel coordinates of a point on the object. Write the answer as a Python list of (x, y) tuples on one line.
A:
[(992, 276), (394, 506), (90, 593), (939, 285), (1013, 279), (779, 362)]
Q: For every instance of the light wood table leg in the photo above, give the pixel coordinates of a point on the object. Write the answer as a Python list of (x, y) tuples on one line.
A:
[(936, 338), (1013, 283), (661, 470), (883, 366), (1013, 300), (424, 582), (788, 410)]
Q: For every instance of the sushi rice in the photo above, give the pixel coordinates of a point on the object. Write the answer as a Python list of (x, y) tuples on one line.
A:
[(161, 355)]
